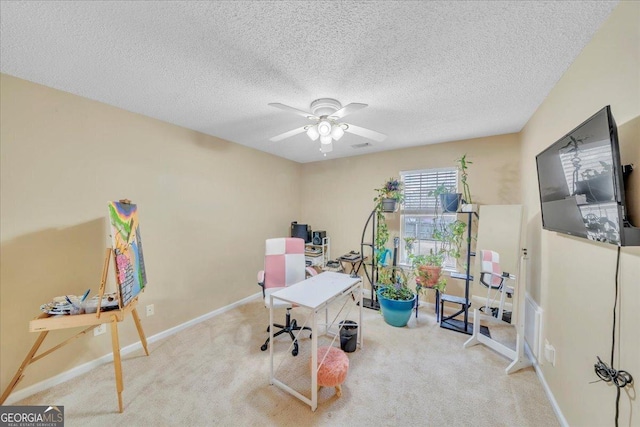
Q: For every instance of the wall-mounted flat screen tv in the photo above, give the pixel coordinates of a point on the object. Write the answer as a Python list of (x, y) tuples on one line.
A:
[(581, 183)]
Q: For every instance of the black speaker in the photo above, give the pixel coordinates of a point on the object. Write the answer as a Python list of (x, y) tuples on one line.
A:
[(318, 236)]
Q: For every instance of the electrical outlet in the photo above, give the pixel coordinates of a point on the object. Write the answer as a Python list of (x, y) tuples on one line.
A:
[(100, 330), (150, 310), (550, 353)]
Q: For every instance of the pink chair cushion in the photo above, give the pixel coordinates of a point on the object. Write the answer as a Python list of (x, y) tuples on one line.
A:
[(333, 370), (284, 262), (491, 264)]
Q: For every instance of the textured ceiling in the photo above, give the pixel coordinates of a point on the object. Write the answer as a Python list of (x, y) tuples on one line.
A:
[(430, 71)]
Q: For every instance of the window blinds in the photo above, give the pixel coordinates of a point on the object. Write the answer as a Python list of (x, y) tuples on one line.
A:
[(420, 185)]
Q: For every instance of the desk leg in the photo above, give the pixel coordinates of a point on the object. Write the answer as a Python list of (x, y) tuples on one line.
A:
[(27, 360), (271, 377), (314, 362), (143, 339), (117, 362), (361, 334)]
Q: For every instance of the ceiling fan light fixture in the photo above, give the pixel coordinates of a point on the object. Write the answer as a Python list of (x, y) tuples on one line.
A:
[(324, 128), (326, 125), (326, 148), (312, 133), (337, 132)]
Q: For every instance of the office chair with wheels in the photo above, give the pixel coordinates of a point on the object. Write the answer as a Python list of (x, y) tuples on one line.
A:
[(492, 276), (284, 265)]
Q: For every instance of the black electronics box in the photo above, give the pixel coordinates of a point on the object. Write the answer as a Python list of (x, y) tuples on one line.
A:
[(302, 231), (318, 236)]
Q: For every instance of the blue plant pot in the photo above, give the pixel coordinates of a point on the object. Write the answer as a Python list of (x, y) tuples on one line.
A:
[(450, 201), (396, 313)]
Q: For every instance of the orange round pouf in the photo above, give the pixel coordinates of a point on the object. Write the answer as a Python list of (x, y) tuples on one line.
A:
[(334, 368)]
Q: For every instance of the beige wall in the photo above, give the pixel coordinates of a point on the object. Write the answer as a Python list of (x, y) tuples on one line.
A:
[(338, 194), (201, 204), (573, 279)]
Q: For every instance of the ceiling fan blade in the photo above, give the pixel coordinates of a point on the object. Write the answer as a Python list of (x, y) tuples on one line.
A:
[(288, 134), (367, 133), (347, 109), (309, 116)]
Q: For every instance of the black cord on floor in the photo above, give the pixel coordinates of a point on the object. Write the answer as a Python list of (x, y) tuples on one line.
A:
[(608, 374)]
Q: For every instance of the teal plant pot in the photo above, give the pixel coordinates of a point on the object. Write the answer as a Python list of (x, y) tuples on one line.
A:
[(396, 313)]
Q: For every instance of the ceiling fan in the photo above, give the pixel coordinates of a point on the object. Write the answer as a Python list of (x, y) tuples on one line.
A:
[(327, 125)]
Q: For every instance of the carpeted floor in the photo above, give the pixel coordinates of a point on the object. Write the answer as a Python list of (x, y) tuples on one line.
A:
[(215, 374)]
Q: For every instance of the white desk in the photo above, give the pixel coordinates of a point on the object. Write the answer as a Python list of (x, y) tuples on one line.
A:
[(315, 294)]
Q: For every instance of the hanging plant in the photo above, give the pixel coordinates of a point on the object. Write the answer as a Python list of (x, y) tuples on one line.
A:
[(390, 195), (463, 165)]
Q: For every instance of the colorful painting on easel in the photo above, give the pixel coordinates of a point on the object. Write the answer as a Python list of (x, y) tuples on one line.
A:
[(127, 246)]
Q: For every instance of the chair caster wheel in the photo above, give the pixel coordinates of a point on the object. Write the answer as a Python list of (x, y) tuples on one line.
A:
[(264, 347), (294, 352)]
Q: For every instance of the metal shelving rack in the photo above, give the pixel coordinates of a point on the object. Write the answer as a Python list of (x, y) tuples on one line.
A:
[(368, 252), (321, 260), (450, 322)]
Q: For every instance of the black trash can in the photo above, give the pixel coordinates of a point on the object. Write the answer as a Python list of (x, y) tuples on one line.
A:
[(348, 336)]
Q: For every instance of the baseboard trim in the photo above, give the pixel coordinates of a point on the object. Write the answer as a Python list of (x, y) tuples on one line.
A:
[(86, 367), (554, 404), (164, 334)]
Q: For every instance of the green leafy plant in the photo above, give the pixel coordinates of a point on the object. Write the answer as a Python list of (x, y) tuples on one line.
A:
[(441, 189), (463, 165), (448, 236), (394, 282), (392, 189), (432, 258), (382, 234), (423, 275), (408, 244)]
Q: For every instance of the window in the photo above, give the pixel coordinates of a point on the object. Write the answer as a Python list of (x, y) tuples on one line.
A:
[(419, 210)]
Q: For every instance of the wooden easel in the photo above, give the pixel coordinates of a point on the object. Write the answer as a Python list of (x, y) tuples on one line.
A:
[(46, 322)]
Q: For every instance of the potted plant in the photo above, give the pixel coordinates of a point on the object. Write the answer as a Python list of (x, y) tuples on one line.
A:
[(452, 201), (396, 299), (428, 270), (390, 195), (447, 197)]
